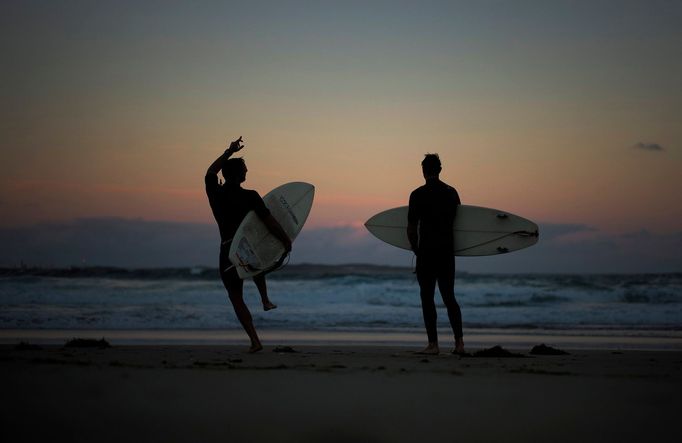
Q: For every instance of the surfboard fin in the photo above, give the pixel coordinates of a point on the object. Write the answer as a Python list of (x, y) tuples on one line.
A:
[(278, 264), (528, 234)]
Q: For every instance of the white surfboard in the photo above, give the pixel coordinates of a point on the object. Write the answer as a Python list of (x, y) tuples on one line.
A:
[(478, 231), (254, 249)]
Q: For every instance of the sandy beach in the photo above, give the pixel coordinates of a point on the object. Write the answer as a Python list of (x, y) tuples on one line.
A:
[(335, 393)]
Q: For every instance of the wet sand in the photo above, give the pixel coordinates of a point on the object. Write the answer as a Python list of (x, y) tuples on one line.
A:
[(339, 393)]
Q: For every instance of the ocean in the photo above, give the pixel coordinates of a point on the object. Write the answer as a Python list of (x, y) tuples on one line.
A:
[(355, 299)]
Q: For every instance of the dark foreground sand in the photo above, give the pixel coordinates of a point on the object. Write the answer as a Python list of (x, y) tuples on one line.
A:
[(335, 394)]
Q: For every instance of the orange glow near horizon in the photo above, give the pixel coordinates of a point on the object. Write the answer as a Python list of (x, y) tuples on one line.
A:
[(630, 194)]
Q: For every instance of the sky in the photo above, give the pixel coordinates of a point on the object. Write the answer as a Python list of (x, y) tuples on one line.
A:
[(566, 113)]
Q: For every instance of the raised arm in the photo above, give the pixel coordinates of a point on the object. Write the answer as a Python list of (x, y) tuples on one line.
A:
[(235, 146)]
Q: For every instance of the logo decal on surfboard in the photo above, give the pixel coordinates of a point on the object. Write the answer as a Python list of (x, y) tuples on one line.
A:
[(284, 203), (247, 258)]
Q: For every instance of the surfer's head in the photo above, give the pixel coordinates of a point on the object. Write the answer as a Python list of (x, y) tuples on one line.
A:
[(234, 170), (431, 165)]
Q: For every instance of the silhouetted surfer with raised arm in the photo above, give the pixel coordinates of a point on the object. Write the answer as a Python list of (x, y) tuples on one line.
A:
[(230, 203), (430, 218)]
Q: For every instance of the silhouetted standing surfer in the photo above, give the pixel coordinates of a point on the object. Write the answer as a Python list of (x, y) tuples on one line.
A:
[(429, 228), (230, 203)]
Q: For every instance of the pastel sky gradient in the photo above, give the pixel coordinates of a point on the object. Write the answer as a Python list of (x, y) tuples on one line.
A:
[(544, 109)]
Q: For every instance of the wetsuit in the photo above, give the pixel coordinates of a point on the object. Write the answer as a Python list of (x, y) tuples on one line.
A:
[(433, 207), (230, 203)]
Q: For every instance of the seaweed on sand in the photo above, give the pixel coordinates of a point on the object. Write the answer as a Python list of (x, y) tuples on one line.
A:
[(497, 351), (87, 343), (547, 350)]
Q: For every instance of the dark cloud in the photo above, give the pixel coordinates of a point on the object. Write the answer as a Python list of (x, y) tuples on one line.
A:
[(552, 231), (120, 242), (130, 243), (642, 234), (649, 146), (346, 244)]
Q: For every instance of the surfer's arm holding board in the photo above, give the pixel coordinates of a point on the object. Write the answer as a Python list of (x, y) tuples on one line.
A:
[(413, 237), (412, 223)]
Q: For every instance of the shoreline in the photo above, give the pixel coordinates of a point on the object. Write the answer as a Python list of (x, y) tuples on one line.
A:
[(656, 340)]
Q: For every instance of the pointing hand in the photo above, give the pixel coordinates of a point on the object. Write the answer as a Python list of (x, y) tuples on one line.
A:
[(236, 146)]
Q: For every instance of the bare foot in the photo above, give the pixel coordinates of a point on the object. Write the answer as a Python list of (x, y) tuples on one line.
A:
[(430, 349), (255, 348), (459, 346), (269, 305)]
